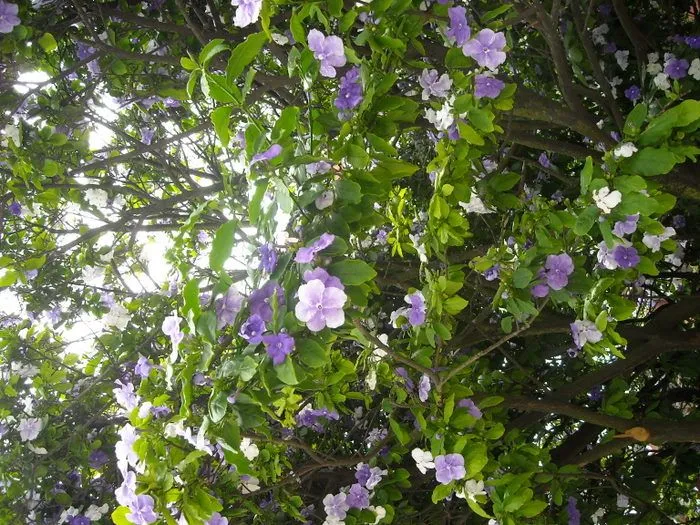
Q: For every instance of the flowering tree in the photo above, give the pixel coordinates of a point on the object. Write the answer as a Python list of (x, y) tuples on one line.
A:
[(349, 262)]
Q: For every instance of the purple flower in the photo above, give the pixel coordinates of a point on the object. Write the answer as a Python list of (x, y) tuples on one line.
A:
[(269, 154), (31, 274), (633, 93), (309, 417), (141, 508), (15, 208), (610, 48), (540, 290), (574, 514), (143, 367), (558, 268), (544, 161), (626, 227), (558, 196), (323, 276), (362, 473), (54, 315), (424, 388), (160, 411), (253, 329), (679, 221), (247, 13), (259, 300), (381, 236), (493, 273), (434, 86), (98, 458), (306, 255), (79, 519), (154, 5), (268, 257), (278, 347), (125, 395), (358, 497), (583, 332), (417, 310), (625, 256), (572, 352), (147, 135), (693, 41), (401, 372), (328, 50), (171, 328), (375, 477), (336, 506), (200, 379), (471, 407), (458, 32), (449, 468), (486, 49), (320, 305), (8, 16), (321, 167), (677, 68), (216, 519), (486, 86), (324, 200), (227, 308), (349, 92), (596, 393)]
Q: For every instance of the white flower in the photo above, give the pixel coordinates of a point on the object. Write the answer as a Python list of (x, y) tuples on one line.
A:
[(280, 39), (379, 511), (37, 450), (96, 197), (653, 58), (11, 132), (653, 242), (324, 200), (29, 428), (605, 257), (622, 57), (624, 150), (249, 484), (622, 501), (95, 513), (598, 34), (174, 429), (24, 371), (661, 81), (68, 513), (423, 459), (378, 354), (441, 119), (420, 247), (475, 205), (694, 70), (144, 409), (605, 199), (118, 317), (249, 449), (595, 517), (474, 488), (654, 69), (493, 522)]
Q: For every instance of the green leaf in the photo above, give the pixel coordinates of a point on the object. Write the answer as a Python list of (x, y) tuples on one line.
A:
[(48, 42), (504, 181), (661, 127), (585, 221), (390, 169), (475, 459), (119, 516), (348, 191), (474, 505), (586, 175), (449, 408), (635, 119), (490, 401), (454, 305), (440, 492), (222, 245), (311, 353), (190, 293), (532, 508), (286, 373), (651, 161), (517, 500), (403, 435), (206, 326), (256, 201), (352, 271), (469, 134), (212, 49), (296, 27), (220, 118), (218, 404), (522, 277), (217, 88), (482, 119), (8, 278), (286, 123), (243, 54), (188, 64)]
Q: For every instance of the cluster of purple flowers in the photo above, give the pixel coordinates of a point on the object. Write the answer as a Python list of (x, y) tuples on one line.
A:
[(349, 91), (555, 273), (310, 417)]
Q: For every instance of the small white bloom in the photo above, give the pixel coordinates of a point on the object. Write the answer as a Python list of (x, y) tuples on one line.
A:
[(661, 81), (653, 242), (280, 39), (37, 450), (144, 409), (68, 513), (29, 428), (324, 200), (11, 132), (622, 57), (117, 317), (371, 379), (653, 58), (423, 459), (605, 199), (476, 205), (694, 70), (598, 34), (174, 429), (420, 247), (441, 119), (605, 257), (654, 69), (249, 484), (380, 513), (249, 449), (96, 197), (595, 517), (95, 513), (624, 150), (622, 501)]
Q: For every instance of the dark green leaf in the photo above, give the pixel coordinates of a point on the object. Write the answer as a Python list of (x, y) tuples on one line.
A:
[(352, 271), (222, 245)]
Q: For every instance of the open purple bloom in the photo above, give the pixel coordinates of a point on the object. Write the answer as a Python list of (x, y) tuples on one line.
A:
[(459, 31), (309, 417), (328, 50), (79, 519), (375, 477), (424, 388), (253, 329), (98, 458), (147, 135), (558, 196), (320, 306), (29, 428), (322, 166), (171, 328), (268, 257), (449, 468), (143, 367), (349, 91), (15, 208), (278, 347), (125, 395), (8, 16), (306, 255), (160, 411), (358, 497), (260, 300), (573, 512), (434, 86), (227, 308), (493, 273), (633, 93), (336, 506), (557, 270), (679, 221), (486, 49), (216, 519), (583, 332), (362, 473), (54, 315), (625, 256), (323, 276), (471, 407), (540, 290), (141, 508), (544, 161), (269, 154), (247, 13), (31, 274), (692, 41), (677, 68), (486, 86), (417, 310), (626, 227)]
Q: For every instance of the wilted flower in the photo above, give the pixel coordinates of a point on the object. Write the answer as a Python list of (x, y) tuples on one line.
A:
[(434, 86), (471, 407), (306, 255)]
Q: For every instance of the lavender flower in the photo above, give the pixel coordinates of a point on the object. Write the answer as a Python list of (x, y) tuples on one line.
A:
[(141, 508), (216, 519), (328, 50), (278, 347), (143, 367), (125, 395), (424, 388), (471, 407), (309, 417), (268, 257), (402, 373), (8, 16), (147, 135), (349, 93), (160, 411), (320, 305), (493, 273), (362, 473), (171, 328), (79, 519), (458, 32), (259, 300), (98, 458), (434, 86), (320, 167), (583, 332), (573, 512), (324, 200), (31, 274), (358, 497), (227, 308), (269, 154), (693, 41), (626, 227), (375, 477), (54, 315), (679, 221), (558, 268), (625, 256), (252, 329), (449, 468), (306, 255), (29, 428), (323, 276), (486, 86), (336, 506), (633, 93), (417, 310), (544, 161), (486, 49), (677, 68), (15, 208), (558, 196), (247, 13)]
